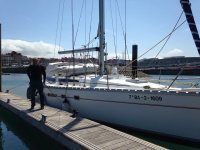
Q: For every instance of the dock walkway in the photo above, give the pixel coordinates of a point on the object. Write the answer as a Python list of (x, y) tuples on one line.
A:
[(73, 133)]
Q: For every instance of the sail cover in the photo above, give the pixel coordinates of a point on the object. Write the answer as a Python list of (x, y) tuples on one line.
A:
[(190, 19)]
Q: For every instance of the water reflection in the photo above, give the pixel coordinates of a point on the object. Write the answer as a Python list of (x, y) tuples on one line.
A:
[(1, 136), (18, 135)]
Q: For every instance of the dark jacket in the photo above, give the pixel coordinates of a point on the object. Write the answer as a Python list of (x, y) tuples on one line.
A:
[(35, 73)]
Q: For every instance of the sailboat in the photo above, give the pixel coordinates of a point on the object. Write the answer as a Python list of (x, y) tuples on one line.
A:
[(129, 102)]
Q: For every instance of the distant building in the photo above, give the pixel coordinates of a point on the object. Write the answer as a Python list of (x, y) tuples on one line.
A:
[(118, 62), (169, 62), (7, 59), (170, 66), (14, 59)]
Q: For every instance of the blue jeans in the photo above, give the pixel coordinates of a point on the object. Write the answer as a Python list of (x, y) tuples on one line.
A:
[(37, 85)]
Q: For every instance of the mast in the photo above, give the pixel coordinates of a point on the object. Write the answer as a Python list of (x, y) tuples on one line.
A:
[(72, 11), (190, 19), (0, 63), (102, 35)]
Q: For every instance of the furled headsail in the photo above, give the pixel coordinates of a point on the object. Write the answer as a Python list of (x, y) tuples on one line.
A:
[(190, 19)]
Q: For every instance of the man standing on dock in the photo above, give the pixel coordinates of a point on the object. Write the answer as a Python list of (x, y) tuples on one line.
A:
[(35, 73)]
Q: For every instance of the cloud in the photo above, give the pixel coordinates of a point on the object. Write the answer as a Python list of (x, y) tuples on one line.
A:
[(174, 52), (30, 49)]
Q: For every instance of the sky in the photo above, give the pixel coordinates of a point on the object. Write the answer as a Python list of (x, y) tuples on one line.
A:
[(41, 28)]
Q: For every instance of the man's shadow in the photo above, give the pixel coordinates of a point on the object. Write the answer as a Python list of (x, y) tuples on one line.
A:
[(33, 110)]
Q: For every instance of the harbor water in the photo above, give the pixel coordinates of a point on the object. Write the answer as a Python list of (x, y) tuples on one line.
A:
[(18, 135)]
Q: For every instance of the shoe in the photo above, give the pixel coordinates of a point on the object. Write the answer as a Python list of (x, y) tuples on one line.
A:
[(32, 107), (74, 114)]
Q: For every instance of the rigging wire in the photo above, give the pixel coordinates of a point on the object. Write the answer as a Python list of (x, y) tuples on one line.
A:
[(60, 35), (175, 78), (74, 41), (116, 27), (125, 33), (58, 19), (123, 30), (74, 38), (162, 39), (169, 35), (78, 23), (61, 27), (90, 29), (155, 44), (85, 20), (88, 44), (120, 18), (164, 46), (113, 29)]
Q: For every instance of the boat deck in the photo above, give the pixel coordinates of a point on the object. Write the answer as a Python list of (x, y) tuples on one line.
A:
[(73, 133)]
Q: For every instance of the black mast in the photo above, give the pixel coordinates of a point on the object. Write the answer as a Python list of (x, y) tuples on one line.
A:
[(190, 19), (0, 62)]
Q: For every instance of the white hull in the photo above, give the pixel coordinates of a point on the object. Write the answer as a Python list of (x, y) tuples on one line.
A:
[(169, 113), (64, 69), (130, 103)]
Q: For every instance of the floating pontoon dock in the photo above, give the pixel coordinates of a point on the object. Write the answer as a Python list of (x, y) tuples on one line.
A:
[(73, 133)]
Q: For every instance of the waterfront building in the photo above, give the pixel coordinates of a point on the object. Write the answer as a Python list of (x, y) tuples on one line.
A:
[(14, 59)]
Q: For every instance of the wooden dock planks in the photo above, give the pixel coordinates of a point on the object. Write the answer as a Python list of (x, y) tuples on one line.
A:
[(73, 133)]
